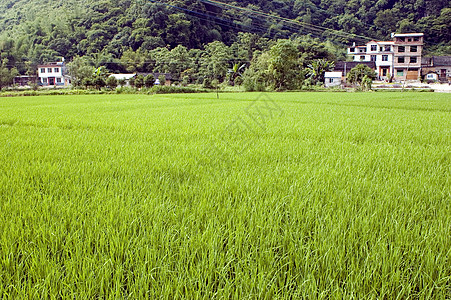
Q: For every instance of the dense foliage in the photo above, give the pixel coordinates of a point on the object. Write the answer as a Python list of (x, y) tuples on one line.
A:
[(181, 37)]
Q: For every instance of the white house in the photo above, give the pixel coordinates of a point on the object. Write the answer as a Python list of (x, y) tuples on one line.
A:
[(53, 74), (379, 52), (332, 79)]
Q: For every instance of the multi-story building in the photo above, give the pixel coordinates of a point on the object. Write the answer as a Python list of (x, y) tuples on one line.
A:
[(379, 52), (53, 74), (408, 50), (399, 59)]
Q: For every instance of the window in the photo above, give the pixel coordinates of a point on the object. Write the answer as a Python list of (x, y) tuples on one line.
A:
[(381, 49), (401, 59), (362, 57), (413, 49), (58, 80), (44, 80), (49, 70), (373, 57), (416, 39), (388, 48), (362, 50), (399, 72), (401, 39), (351, 49), (42, 70), (401, 49), (373, 47), (331, 80), (384, 57), (409, 40), (353, 57), (56, 70), (413, 60)]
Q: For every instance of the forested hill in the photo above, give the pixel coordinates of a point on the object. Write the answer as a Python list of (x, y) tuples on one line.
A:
[(42, 30)]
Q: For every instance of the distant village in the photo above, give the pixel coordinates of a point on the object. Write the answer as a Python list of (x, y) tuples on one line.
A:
[(397, 60)]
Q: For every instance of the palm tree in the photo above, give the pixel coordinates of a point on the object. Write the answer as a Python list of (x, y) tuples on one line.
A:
[(235, 71), (316, 70)]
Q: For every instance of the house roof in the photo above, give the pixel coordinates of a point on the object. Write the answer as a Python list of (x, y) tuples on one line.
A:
[(436, 61), (380, 42), (156, 75), (52, 64), (333, 74), (407, 34), (340, 65), (123, 76), (442, 60)]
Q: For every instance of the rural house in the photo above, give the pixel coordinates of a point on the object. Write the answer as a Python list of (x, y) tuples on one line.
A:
[(439, 65), (399, 59), (53, 74), (332, 79)]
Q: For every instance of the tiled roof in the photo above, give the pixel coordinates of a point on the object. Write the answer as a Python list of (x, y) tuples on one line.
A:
[(340, 65), (436, 61)]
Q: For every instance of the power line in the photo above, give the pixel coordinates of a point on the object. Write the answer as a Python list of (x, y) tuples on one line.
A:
[(295, 22)]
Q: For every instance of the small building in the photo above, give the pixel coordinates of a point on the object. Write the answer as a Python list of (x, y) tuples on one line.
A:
[(25, 80), (53, 74), (441, 65), (332, 79)]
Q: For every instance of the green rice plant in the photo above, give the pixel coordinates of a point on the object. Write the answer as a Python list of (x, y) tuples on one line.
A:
[(330, 196)]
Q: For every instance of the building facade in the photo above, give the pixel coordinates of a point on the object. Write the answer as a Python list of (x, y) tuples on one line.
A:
[(53, 74), (440, 65), (408, 50), (399, 59), (332, 79)]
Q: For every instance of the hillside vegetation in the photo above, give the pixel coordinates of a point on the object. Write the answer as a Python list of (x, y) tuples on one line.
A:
[(69, 28)]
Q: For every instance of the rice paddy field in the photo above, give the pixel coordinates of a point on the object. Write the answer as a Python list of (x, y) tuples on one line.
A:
[(249, 196)]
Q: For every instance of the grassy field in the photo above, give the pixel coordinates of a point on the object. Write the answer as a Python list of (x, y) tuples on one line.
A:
[(252, 196)]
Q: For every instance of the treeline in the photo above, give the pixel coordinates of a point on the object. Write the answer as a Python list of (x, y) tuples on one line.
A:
[(256, 62)]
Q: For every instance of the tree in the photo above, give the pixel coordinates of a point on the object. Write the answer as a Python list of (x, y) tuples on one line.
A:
[(284, 65), (79, 70), (139, 81), (366, 83), (99, 77), (357, 74), (215, 59), (315, 70), (111, 82), (131, 81), (235, 72), (162, 79), (122, 82), (256, 77), (149, 81), (6, 75)]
